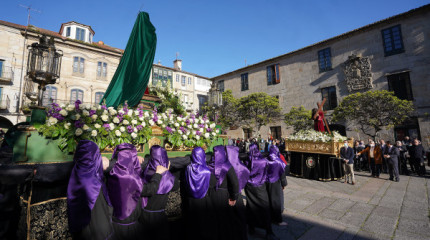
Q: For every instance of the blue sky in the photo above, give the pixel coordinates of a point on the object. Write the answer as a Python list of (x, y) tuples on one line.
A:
[(213, 37)]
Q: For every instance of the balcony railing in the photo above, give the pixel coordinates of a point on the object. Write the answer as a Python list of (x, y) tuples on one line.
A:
[(6, 74), (4, 102)]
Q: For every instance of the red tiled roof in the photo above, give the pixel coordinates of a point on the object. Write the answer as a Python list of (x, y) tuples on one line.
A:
[(57, 35)]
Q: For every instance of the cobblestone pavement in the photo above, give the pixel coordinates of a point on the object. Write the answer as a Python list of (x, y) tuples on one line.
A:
[(373, 208)]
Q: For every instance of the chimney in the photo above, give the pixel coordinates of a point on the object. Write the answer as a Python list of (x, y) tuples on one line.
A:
[(101, 43), (177, 64)]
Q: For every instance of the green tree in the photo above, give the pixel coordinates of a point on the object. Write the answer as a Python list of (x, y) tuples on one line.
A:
[(257, 110), (373, 111), (299, 119), (225, 113), (170, 99)]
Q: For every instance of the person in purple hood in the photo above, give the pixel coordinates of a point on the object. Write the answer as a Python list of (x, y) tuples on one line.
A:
[(276, 182), (124, 186), (223, 192), (157, 183), (258, 201), (198, 207), (242, 172), (88, 206)]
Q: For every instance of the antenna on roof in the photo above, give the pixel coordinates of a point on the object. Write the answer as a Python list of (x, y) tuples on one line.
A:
[(29, 9), (177, 55)]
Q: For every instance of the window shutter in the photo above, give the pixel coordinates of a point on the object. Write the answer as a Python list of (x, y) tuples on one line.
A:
[(81, 69), (278, 74)]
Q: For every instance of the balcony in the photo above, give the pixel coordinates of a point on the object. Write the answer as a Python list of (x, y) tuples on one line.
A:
[(6, 75), (4, 102)]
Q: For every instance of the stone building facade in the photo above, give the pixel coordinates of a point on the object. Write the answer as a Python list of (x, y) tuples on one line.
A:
[(86, 69), (193, 88), (391, 54)]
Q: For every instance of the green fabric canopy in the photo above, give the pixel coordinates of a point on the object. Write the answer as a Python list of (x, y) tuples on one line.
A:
[(132, 75)]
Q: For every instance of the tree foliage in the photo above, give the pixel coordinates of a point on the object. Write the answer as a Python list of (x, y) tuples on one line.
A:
[(170, 99), (373, 111), (226, 113), (299, 119), (257, 110)]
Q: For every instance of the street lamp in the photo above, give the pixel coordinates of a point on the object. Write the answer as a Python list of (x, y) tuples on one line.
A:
[(43, 65), (215, 98)]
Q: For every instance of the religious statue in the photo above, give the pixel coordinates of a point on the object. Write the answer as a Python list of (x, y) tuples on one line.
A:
[(319, 119)]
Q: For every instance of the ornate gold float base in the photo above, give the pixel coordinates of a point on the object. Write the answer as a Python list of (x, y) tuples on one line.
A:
[(331, 148)]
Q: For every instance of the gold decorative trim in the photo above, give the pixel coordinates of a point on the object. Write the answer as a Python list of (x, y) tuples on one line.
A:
[(156, 131), (181, 148), (43, 202), (331, 148), (154, 141)]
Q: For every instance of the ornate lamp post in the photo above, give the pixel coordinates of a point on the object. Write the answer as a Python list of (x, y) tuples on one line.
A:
[(43, 65), (215, 97)]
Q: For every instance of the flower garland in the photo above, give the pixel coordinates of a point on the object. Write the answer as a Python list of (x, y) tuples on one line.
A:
[(316, 136), (107, 126)]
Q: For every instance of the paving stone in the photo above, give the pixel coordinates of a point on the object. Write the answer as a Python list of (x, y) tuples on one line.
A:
[(362, 208), (321, 233), (386, 212), (355, 219), (342, 205), (381, 225), (348, 234), (401, 235), (331, 214), (363, 235), (410, 204), (414, 226), (299, 204), (414, 213), (319, 205)]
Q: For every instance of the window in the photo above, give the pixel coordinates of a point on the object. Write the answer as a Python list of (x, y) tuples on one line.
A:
[(202, 101), (177, 77), (392, 40), (67, 31), (163, 76), (101, 69), (76, 94), (80, 34), (324, 60), (189, 80), (78, 65), (183, 79), (49, 96), (329, 93), (1, 67), (273, 75), (247, 133), (276, 132), (221, 85), (99, 97), (400, 84), (244, 81)]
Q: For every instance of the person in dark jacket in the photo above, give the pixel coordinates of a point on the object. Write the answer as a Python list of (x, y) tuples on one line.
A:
[(347, 155), (403, 168), (417, 153), (392, 155)]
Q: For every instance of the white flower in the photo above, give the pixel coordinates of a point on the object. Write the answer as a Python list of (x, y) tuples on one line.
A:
[(111, 126), (85, 127), (52, 120), (179, 119), (105, 118), (176, 125), (67, 125), (206, 126), (217, 131), (195, 125), (146, 114), (112, 111), (63, 113), (141, 119), (117, 133), (130, 113), (122, 129), (99, 107), (159, 122), (214, 133), (105, 112), (207, 121), (163, 126), (78, 132), (62, 105), (70, 107), (193, 132), (87, 106), (201, 130), (213, 125), (126, 122), (94, 117), (97, 125), (136, 112), (207, 135), (143, 124), (197, 137), (134, 129), (115, 120), (85, 113), (134, 121), (182, 123), (77, 116), (134, 135), (121, 112), (93, 133), (93, 108), (184, 137)]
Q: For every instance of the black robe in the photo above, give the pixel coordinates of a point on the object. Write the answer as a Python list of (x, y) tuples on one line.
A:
[(239, 220), (153, 216), (258, 207), (229, 188), (276, 198), (100, 226)]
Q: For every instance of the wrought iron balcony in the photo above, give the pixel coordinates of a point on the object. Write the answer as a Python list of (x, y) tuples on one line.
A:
[(4, 102), (6, 75)]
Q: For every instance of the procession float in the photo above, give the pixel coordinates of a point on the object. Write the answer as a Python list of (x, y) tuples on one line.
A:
[(314, 153), (37, 155)]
